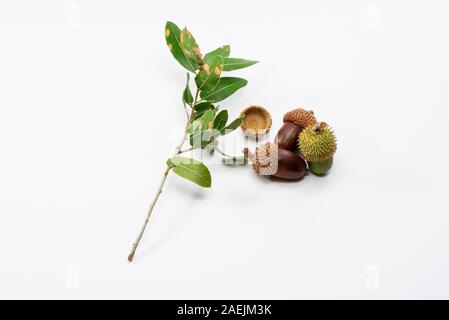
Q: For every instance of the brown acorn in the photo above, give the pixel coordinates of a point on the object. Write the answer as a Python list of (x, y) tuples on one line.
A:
[(294, 122), (287, 136), (269, 160)]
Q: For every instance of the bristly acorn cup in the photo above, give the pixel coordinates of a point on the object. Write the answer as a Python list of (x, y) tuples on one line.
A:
[(270, 160), (318, 144)]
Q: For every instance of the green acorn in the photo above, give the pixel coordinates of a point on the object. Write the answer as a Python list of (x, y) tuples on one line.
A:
[(318, 144)]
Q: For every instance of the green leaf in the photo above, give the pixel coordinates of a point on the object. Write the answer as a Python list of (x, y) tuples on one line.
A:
[(198, 115), (194, 126), (220, 120), (201, 130), (233, 125), (196, 140), (187, 95), (209, 73), (173, 39), (190, 48), (236, 63), (203, 106), (201, 139), (192, 170), (223, 51), (208, 136), (225, 88)]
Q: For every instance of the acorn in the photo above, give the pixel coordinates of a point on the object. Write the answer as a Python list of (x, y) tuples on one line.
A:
[(269, 160), (318, 144), (294, 122)]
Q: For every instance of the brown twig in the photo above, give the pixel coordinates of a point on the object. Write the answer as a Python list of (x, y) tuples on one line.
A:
[(161, 185)]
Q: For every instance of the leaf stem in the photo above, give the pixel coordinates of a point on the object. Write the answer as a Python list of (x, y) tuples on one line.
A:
[(195, 101), (187, 112), (224, 154), (186, 150), (235, 159), (161, 185)]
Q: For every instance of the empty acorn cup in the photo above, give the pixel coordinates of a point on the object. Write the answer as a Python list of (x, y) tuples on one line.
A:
[(257, 121)]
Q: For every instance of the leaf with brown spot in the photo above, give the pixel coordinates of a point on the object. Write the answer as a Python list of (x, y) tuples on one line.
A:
[(191, 49), (173, 39), (202, 130), (207, 119), (209, 73)]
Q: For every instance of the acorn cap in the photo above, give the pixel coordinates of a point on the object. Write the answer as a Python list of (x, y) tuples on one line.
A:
[(257, 120), (270, 160), (265, 159), (317, 142), (301, 117)]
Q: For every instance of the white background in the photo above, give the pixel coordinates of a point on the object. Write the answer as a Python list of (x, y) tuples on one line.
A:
[(90, 110)]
